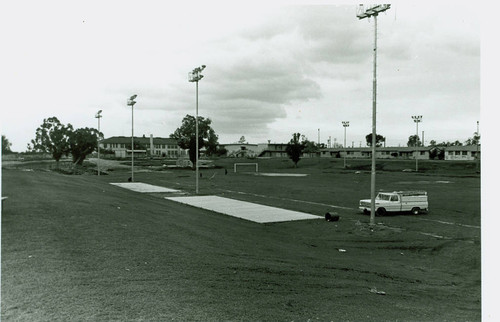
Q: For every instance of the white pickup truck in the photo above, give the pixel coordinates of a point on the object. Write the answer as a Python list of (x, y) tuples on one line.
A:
[(397, 201)]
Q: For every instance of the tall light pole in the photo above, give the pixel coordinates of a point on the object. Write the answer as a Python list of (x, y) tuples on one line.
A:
[(417, 119), (195, 76), (361, 14), (477, 148), (98, 117), (131, 102), (345, 124)]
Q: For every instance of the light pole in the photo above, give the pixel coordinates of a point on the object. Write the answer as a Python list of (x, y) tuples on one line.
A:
[(345, 124), (477, 149), (417, 119), (361, 14), (98, 117), (131, 102), (195, 76)]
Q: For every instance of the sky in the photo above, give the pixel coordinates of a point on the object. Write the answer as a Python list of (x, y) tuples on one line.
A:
[(272, 69)]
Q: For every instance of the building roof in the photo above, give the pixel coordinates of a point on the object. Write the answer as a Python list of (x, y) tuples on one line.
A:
[(463, 148), (379, 149), (143, 140), (237, 144)]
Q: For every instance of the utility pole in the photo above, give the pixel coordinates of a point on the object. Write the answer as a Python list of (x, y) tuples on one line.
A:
[(361, 14), (195, 76), (345, 124), (477, 149), (131, 102), (417, 119), (98, 117)]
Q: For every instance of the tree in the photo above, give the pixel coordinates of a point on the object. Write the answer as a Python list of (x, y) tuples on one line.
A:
[(378, 140), (6, 145), (309, 146), (414, 140), (52, 137), (186, 136), (242, 140), (83, 142), (211, 143), (294, 148), (474, 140)]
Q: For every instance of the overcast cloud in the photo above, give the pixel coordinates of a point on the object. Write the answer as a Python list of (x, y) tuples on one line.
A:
[(271, 70)]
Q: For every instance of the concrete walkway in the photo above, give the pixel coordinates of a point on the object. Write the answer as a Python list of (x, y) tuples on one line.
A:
[(242, 209), (143, 187)]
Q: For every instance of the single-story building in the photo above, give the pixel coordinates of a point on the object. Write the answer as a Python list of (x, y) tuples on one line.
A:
[(465, 152), (150, 146), (381, 152), (242, 150)]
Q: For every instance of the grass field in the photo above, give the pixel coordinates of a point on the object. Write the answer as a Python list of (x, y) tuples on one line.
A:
[(76, 248)]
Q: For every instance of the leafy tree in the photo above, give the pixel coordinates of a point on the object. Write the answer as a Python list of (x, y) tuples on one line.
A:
[(242, 140), (52, 137), (295, 148), (378, 140), (309, 146), (186, 136), (474, 140), (6, 145), (221, 151), (414, 140), (83, 142), (212, 142)]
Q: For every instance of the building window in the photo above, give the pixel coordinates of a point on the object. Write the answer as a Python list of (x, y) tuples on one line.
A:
[(464, 152), (457, 152), (422, 152)]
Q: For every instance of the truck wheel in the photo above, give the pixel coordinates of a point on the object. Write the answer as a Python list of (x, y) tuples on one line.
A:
[(381, 212), (415, 211)]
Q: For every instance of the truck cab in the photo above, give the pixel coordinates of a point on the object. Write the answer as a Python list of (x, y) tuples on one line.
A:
[(397, 201)]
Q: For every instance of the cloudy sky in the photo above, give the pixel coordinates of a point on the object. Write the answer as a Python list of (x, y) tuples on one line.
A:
[(272, 69)]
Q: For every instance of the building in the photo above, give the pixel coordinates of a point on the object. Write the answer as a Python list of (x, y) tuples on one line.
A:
[(242, 150), (381, 152), (273, 150), (261, 150), (421, 153), (144, 146), (466, 152)]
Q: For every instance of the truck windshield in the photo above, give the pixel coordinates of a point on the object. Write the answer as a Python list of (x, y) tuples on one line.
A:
[(382, 196)]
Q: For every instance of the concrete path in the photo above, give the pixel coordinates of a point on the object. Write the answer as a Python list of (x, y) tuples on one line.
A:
[(143, 187), (242, 209)]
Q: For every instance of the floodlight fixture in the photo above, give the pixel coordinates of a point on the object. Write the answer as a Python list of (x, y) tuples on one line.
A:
[(195, 75), (371, 11)]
